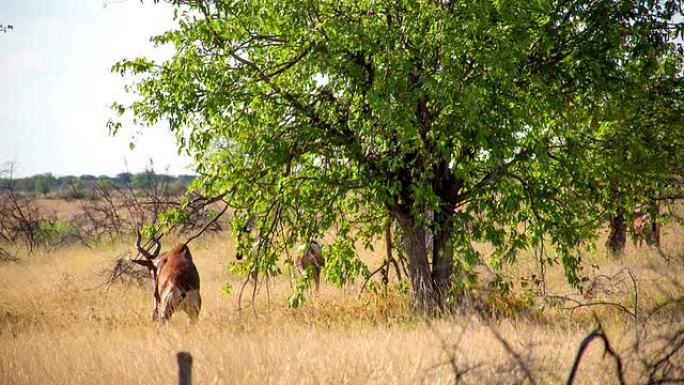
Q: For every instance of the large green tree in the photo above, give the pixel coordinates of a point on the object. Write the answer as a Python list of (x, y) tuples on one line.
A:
[(463, 121)]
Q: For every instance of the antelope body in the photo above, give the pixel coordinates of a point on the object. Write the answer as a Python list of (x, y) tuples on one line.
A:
[(310, 255), (176, 281), (639, 226), (307, 254)]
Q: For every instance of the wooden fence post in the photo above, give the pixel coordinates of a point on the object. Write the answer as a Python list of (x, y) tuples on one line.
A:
[(184, 368)]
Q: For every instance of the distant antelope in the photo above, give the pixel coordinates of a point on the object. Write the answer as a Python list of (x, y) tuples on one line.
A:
[(310, 255), (307, 255), (639, 226), (176, 280)]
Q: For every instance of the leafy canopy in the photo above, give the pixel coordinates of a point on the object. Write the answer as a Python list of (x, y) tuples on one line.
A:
[(496, 121)]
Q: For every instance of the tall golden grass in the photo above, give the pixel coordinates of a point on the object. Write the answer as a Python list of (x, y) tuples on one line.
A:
[(59, 324)]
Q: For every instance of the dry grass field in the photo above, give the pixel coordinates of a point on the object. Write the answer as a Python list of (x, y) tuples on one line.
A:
[(59, 324)]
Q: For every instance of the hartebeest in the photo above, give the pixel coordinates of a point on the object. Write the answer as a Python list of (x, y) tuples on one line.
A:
[(176, 280), (308, 255), (639, 226)]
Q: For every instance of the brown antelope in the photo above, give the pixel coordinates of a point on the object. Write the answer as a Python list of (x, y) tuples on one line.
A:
[(176, 280), (639, 226), (310, 255), (307, 255)]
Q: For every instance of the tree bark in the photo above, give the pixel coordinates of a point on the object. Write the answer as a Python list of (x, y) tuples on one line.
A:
[(618, 234), (442, 262), (429, 284), (422, 294)]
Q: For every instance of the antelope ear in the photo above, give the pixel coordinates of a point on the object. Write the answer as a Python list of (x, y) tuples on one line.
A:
[(144, 262)]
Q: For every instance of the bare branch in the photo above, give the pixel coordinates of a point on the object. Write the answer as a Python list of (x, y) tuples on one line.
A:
[(516, 357), (600, 334)]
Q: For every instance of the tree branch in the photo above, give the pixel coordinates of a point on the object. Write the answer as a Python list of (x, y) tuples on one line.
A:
[(600, 334)]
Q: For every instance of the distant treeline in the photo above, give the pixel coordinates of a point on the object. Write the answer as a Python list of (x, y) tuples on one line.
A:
[(79, 187)]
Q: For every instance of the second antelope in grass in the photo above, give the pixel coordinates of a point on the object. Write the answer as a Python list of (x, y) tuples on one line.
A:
[(639, 226), (310, 256)]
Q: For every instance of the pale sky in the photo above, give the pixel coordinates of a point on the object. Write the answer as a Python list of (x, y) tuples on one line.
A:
[(56, 88)]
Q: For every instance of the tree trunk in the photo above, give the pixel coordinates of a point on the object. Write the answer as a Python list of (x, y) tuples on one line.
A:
[(429, 286), (442, 263), (618, 234), (422, 293)]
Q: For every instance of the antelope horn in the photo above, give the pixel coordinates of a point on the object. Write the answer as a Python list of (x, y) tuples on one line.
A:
[(146, 253)]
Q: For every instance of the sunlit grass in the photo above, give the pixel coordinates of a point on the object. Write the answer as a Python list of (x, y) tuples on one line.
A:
[(60, 324)]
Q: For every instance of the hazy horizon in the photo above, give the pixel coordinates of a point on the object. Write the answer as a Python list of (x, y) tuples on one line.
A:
[(114, 175), (54, 66)]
